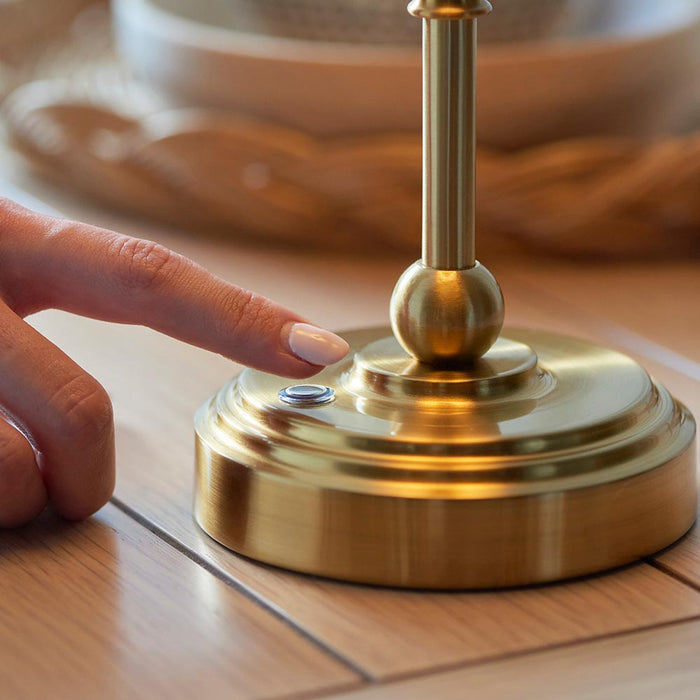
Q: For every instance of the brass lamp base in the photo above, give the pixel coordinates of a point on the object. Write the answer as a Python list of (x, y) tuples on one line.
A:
[(540, 458), (549, 458)]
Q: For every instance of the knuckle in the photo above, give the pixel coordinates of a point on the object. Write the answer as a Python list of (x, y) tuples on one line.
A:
[(84, 409), (145, 264)]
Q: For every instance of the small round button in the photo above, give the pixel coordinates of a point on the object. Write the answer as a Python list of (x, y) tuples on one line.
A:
[(307, 394)]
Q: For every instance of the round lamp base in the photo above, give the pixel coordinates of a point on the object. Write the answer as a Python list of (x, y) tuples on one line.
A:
[(549, 458)]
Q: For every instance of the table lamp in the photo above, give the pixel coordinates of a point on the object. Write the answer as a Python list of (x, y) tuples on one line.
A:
[(449, 454)]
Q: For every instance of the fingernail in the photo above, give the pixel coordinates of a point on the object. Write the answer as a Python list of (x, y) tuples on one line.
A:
[(316, 345)]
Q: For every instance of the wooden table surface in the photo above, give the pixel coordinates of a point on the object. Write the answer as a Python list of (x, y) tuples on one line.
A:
[(137, 602)]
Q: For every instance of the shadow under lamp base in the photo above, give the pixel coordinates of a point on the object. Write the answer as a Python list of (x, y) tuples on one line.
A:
[(549, 458)]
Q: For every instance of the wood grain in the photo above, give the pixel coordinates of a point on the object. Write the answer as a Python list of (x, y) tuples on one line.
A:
[(658, 300), (660, 663), (106, 609), (387, 633)]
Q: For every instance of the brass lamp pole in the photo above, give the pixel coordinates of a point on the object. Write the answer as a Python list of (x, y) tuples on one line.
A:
[(447, 309), (445, 456), (449, 140)]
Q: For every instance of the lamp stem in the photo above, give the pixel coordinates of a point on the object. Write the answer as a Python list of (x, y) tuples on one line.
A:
[(449, 143), (447, 309)]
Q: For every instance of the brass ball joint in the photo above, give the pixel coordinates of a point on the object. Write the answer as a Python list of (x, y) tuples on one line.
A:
[(447, 456), (447, 318)]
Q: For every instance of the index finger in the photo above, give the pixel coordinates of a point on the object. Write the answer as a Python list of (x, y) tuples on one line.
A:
[(54, 263)]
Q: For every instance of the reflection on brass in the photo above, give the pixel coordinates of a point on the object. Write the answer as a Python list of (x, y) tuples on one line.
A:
[(447, 309), (447, 317), (449, 143), (449, 9), (513, 472), (449, 457)]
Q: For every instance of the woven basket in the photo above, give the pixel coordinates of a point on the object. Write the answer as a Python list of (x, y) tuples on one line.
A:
[(376, 21), (90, 127)]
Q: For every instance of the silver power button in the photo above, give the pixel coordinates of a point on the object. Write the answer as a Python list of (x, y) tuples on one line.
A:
[(307, 395)]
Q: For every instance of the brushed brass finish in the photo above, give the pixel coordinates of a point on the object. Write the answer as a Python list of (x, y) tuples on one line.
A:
[(449, 457), (514, 472), (448, 309), (446, 317), (449, 143)]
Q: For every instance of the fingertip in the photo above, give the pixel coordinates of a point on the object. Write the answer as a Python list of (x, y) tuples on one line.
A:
[(299, 370), (315, 346), (78, 501), (76, 510)]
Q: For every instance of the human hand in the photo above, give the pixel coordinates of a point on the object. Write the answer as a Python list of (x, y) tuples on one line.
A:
[(56, 422)]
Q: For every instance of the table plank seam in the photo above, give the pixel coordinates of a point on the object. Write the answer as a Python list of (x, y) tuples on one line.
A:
[(673, 573), (230, 581), (341, 689), (333, 692), (496, 658), (367, 678)]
